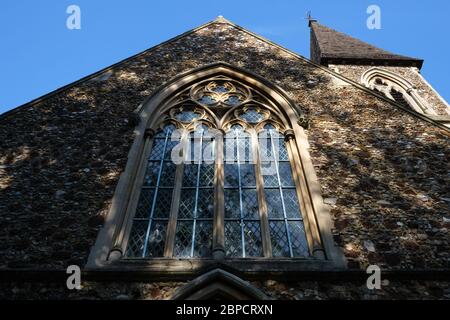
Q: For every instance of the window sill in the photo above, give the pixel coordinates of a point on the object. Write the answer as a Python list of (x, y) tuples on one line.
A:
[(184, 269)]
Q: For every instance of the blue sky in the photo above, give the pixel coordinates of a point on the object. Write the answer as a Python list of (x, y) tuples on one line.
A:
[(39, 54)]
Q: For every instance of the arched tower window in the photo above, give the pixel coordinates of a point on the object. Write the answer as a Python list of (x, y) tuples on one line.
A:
[(398, 96), (221, 173), (396, 88)]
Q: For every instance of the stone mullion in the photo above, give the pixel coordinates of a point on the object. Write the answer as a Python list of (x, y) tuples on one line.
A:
[(172, 225), (219, 200), (265, 227)]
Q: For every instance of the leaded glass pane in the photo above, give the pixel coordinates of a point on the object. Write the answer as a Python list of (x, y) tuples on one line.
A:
[(231, 175), (286, 174), (233, 239), (205, 206), (220, 89), (183, 239), (291, 204), (151, 176), (280, 243), (245, 150), (233, 100), (168, 174), (187, 204), (230, 150), (157, 149), (274, 204), (207, 99), (208, 153), (252, 116), (248, 175), (232, 203), (250, 204), (190, 175), (207, 175), (253, 242), (145, 203), (170, 146), (136, 242), (282, 151), (265, 149), (270, 176), (163, 203), (187, 116), (157, 239), (298, 239), (203, 239)]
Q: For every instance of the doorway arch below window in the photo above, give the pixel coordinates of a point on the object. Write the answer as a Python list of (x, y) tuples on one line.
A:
[(109, 250)]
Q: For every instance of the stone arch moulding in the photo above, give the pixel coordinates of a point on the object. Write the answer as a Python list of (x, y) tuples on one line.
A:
[(218, 284), (397, 83), (108, 251)]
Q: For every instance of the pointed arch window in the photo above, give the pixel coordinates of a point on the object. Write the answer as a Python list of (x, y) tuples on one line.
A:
[(220, 171), (397, 88), (261, 211)]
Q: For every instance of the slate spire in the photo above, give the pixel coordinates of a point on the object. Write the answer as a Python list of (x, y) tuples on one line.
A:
[(329, 46)]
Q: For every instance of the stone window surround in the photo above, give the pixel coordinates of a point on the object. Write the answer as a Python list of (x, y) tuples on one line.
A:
[(108, 251), (392, 81)]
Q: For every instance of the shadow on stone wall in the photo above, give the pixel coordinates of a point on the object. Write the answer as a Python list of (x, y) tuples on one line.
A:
[(61, 159)]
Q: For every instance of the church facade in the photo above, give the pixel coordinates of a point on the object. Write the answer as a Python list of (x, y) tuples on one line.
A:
[(220, 165)]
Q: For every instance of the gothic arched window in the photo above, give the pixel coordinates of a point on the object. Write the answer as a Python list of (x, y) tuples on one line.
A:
[(395, 87), (219, 172), (261, 207)]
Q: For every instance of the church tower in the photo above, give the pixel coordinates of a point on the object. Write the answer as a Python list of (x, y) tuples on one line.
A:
[(395, 76)]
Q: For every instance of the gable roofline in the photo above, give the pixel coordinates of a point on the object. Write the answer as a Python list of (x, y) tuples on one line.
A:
[(220, 20)]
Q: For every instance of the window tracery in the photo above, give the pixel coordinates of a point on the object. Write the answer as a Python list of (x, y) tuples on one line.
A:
[(261, 210)]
